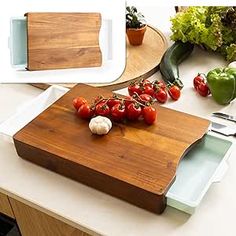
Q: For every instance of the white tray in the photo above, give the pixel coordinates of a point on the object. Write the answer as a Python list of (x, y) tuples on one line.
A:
[(27, 112), (203, 165)]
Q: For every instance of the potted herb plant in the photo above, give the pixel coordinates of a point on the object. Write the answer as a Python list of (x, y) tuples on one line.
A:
[(135, 26)]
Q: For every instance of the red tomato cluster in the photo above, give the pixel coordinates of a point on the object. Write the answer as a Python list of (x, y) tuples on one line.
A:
[(154, 90), (199, 83), (118, 109)]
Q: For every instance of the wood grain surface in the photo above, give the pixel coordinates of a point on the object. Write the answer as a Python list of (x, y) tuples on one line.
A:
[(5, 206), (134, 162), (35, 223), (63, 40), (141, 63)]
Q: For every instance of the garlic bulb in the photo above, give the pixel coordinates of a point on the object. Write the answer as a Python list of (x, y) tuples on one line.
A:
[(232, 64), (100, 125)]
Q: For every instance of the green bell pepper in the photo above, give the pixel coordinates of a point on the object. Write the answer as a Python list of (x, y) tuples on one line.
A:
[(222, 84)]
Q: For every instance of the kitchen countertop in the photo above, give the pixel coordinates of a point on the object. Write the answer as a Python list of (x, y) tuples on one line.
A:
[(98, 213)]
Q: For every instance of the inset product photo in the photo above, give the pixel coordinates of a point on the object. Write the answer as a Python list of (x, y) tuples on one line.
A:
[(85, 43)]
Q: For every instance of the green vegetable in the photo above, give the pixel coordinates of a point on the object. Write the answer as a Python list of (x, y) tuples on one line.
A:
[(174, 55), (222, 84), (214, 28), (134, 19)]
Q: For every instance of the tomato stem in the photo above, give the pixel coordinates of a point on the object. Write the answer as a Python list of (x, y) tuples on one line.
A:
[(123, 100), (146, 103)]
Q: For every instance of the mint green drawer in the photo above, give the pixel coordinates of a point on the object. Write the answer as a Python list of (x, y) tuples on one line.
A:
[(203, 165)]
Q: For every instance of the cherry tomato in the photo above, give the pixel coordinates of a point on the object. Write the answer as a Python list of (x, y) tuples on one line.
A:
[(197, 80), (98, 98), (118, 112), (134, 111), (113, 101), (144, 82), (85, 111), (134, 88), (161, 95), (78, 102), (149, 115), (203, 89), (159, 84), (148, 89), (102, 109), (146, 98), (174, 92), (128, 101)]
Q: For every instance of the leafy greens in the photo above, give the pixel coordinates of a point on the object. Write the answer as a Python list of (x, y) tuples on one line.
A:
[(214, 28)]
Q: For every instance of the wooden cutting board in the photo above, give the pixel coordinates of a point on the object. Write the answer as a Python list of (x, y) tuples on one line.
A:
[(134, 161), (63, 40)]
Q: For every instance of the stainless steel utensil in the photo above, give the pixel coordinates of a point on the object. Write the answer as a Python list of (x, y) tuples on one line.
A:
[(224, 116), (223, 129)]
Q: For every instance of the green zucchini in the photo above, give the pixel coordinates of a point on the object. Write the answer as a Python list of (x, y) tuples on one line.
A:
[(173, 56)]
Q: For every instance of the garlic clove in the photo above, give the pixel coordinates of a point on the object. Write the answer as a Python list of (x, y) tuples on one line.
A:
[(232, 64)]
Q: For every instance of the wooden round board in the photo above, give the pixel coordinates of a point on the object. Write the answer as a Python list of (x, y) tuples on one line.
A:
[(142, 61)]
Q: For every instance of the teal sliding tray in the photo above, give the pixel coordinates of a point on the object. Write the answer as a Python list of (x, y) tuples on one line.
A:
[(203, 165), (18, 42)]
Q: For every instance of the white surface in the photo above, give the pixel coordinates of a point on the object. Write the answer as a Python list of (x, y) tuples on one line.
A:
[(97, 211), (110, 69)]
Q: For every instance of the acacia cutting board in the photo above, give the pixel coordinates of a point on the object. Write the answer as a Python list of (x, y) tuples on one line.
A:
[(134, 161), (63, 40)]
